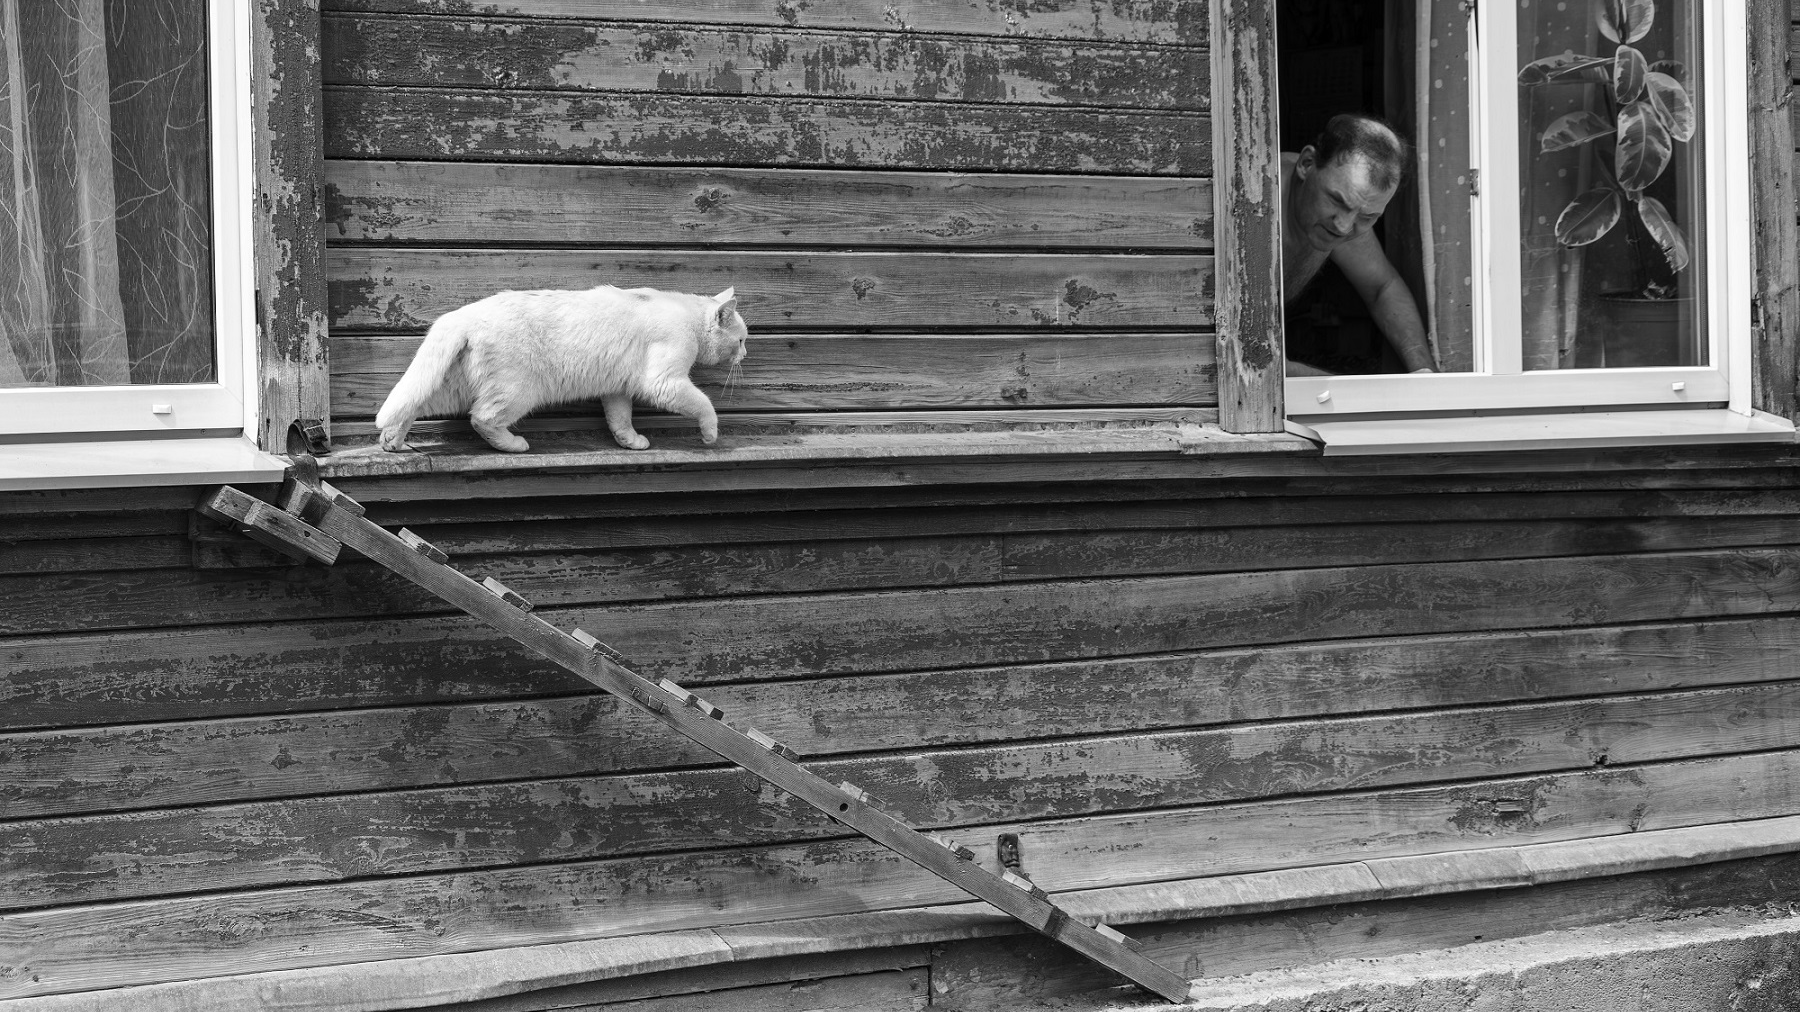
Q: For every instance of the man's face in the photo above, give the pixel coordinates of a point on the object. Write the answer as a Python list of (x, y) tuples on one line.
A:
[(1338, 202)]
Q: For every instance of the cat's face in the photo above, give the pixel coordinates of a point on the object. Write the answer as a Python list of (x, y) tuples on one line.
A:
[(727, 338)]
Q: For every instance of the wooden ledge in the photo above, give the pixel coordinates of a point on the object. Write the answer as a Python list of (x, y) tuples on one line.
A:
[(790, 458), (461, 977)]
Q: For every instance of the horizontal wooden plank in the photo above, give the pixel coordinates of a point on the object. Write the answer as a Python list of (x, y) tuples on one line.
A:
[(448, 438), (404, 290), (109, 945), (983, 973), (149, 598), (1134, 20), (594, 522), (449, 203), (706, 641), (1013, 464), (659, 57), (419, 123), (119, 598), (887, 991), (189, 760), (850, 373), (60, 861)]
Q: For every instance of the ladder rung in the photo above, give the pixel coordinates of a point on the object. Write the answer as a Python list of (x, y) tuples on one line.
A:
[(586, 639), (705, 707), (499, 590), (1114, 934), (772, 745), (686, 697), (854, 791), (1019, 882), (423, 547)]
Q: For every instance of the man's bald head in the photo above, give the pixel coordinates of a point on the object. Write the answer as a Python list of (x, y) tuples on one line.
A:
[(1352, 135)]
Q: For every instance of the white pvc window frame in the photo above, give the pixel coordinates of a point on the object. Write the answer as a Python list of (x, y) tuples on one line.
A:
[(228, 405), (1498, 382)]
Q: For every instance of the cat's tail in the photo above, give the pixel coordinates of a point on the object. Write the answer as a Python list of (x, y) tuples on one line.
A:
[(427, 386)]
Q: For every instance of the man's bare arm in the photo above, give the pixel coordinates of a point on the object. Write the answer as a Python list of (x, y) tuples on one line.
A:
[(1390, 302)]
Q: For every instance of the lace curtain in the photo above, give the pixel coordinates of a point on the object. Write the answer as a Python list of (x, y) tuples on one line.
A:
[(105, 263)]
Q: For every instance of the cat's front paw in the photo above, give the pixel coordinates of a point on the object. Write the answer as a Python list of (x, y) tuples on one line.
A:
[(709, 432), (632, 441)]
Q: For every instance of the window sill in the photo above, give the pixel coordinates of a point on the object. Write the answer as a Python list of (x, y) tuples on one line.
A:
[(126, 463), (1550, 431)]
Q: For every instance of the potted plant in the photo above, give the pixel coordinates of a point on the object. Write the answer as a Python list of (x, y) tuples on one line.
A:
[(1648, 109)]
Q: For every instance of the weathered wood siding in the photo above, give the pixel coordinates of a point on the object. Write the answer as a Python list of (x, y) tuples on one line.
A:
[(923, 206), (218, 770)]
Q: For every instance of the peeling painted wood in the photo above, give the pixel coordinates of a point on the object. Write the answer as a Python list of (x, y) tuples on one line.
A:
[(407, 123), (404, 290), (842, 372), (1167, 21), (1247, 170), (407, 832), (292, 348), (120, 598), (445, 203), (700, 642), (547, 55), (1775, 361), (432, 762), (111, 945)]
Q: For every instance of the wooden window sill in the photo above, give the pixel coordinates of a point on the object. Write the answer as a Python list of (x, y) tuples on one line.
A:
[(135, 463)]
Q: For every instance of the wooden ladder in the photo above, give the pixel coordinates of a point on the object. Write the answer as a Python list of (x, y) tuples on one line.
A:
[(313, 521)]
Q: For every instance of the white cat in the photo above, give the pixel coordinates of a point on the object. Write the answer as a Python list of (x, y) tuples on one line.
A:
[(510, 353)]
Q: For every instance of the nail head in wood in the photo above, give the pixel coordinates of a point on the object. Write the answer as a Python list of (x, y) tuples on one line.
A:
[(423, 547), (499, 590)]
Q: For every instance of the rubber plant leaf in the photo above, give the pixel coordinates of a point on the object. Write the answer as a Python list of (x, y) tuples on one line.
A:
[(1626, 20), (1662, 228), (1629, 71), (1672, 104), (1589, 216), (1643, 146), (1575, 129), (1674, 68), (1567, 68)]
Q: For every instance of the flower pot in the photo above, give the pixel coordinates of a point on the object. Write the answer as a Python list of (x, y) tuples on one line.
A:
[(1639, 332)]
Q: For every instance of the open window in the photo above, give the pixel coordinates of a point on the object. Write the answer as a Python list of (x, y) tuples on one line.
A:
[(1574, 226)]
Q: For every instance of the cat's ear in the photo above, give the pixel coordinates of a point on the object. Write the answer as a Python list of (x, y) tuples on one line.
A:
[(727, 301), (728, 295)]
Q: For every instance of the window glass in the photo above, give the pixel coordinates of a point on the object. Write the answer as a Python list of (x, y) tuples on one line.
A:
[(105, 205), (1612, 200)]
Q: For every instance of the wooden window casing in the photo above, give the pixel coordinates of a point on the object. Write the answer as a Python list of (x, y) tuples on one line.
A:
[(1249, 276)]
